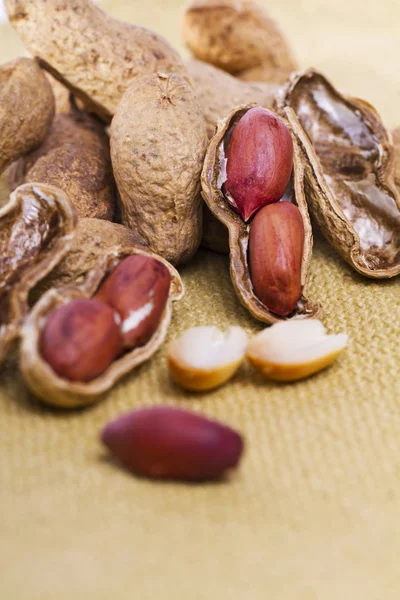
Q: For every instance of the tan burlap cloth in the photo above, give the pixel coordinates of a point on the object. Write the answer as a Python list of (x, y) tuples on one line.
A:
[(314, 511)]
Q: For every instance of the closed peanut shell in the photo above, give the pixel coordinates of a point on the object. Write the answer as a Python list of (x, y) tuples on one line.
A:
[(235, 35), (95, 56), (266, 73), (62, 96), (218, 92), (37, 226), (213, 177), (43, 380), (158, 142), (75, 156), (350, 172), (26, 108)]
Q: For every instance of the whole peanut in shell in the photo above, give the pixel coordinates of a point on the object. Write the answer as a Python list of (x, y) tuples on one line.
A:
[(242, 261), (95, 56), (218, 92), (74, 156), (137, 290), (26, 108), (81, 339), (166, 442), (236, 35), (158, 143)]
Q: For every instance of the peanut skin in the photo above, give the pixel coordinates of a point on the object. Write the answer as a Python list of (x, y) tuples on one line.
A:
[(276, 244)]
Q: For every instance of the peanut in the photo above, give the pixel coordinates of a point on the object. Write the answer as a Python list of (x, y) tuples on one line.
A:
[(259, 161), (276, 244), (81, 339), (138, 291), (166, 442)]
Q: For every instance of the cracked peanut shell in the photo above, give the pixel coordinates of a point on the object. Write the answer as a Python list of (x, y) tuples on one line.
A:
[(396, 142), (213, 177), (40, 377), (236, 35), (94, 55), (158, 143), (26, 109), (93, 242), (74, 156), (350, 170), (37, 226)]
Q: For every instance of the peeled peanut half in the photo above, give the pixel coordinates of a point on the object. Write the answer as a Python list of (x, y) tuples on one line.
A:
[(293, 350), (203, 358)]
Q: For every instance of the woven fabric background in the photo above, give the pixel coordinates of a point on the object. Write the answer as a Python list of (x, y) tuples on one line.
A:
[(313, 512)]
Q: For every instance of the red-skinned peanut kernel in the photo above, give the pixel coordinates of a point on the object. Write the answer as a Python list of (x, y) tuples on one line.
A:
[(276, 244), (138, 291), (166, 442), (81, 339), (259, 161)]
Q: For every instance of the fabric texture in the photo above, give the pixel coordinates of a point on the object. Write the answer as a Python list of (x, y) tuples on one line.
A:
[(313, 511)]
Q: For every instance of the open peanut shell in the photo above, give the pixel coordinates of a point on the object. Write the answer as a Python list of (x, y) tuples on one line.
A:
[(213, 177), (396, 142), (350, 170), (41, 378), (37, 227)]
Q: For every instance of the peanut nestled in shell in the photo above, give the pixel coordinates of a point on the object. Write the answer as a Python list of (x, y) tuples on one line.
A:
[(265, 157), (89, 383)]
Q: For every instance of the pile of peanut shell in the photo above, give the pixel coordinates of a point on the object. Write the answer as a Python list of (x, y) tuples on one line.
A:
[(122, 160)]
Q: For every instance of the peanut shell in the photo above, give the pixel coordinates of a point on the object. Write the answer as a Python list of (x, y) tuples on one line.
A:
[(266, 73), (93, 242), (36, 232), (158, 142), (39, 376), (26, 108), (62, 96), (75, 156), (218, 92), (396, 141), (350, 170), (235, 35), (212, 180), (95, 56), (215, 234)]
